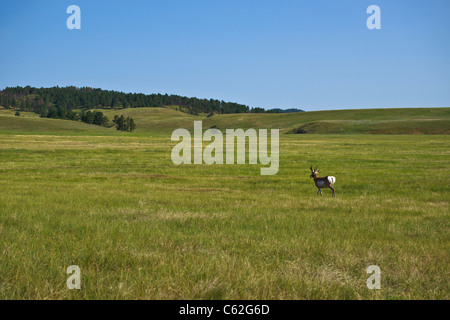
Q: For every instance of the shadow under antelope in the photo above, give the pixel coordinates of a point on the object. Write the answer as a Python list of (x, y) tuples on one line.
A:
[(322, 182)]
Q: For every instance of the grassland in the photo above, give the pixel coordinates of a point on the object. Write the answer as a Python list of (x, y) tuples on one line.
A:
[(371, 121), (31, 123), (165, 120), (140, 227)]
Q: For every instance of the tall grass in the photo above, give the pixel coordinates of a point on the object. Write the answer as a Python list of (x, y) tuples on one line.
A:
[(140, 227)]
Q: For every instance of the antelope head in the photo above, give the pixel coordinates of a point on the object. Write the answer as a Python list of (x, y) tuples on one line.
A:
[(313, 172)]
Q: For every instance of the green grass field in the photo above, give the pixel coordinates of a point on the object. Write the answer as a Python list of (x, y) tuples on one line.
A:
[(140, 227), (165, 120), (372, 121)]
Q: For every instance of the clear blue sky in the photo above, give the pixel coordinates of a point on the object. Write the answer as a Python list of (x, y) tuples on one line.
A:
[(311, 54)]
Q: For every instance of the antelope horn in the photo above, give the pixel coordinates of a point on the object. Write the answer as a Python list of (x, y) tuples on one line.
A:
[(316, 168), (311, 168)]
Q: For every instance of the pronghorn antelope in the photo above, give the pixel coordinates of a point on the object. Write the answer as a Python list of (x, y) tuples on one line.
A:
[(322, 182)]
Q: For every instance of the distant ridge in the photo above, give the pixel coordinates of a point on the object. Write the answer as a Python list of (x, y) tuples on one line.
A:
[(278, 110), (165, 120), (42, 100)]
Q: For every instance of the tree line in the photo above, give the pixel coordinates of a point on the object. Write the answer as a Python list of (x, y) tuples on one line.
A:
[(45, 101), (41, 100), (90, 117)]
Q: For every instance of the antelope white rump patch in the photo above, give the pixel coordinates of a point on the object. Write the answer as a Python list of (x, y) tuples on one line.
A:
[(331, 179)]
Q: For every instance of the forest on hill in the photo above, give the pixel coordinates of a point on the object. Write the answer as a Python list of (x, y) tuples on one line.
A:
[(57, 100)]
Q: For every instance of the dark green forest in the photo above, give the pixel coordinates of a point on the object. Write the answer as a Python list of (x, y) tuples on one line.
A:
[(42, 100), (56, 101)]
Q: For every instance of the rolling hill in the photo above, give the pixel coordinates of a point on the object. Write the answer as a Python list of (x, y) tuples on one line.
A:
[(373, 121), (30, 123), (165, 120)]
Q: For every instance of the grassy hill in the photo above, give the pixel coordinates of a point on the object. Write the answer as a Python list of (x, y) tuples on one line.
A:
[(374, 121), (154, 120), (30, 123), (165, 120)]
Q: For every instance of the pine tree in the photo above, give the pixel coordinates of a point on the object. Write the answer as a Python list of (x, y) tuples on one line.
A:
[(132, 125), (121, 123)]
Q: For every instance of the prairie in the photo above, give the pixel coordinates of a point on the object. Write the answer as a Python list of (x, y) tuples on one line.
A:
[(140, 227)]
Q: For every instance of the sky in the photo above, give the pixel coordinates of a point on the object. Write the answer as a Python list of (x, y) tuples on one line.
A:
[(308, 54)]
